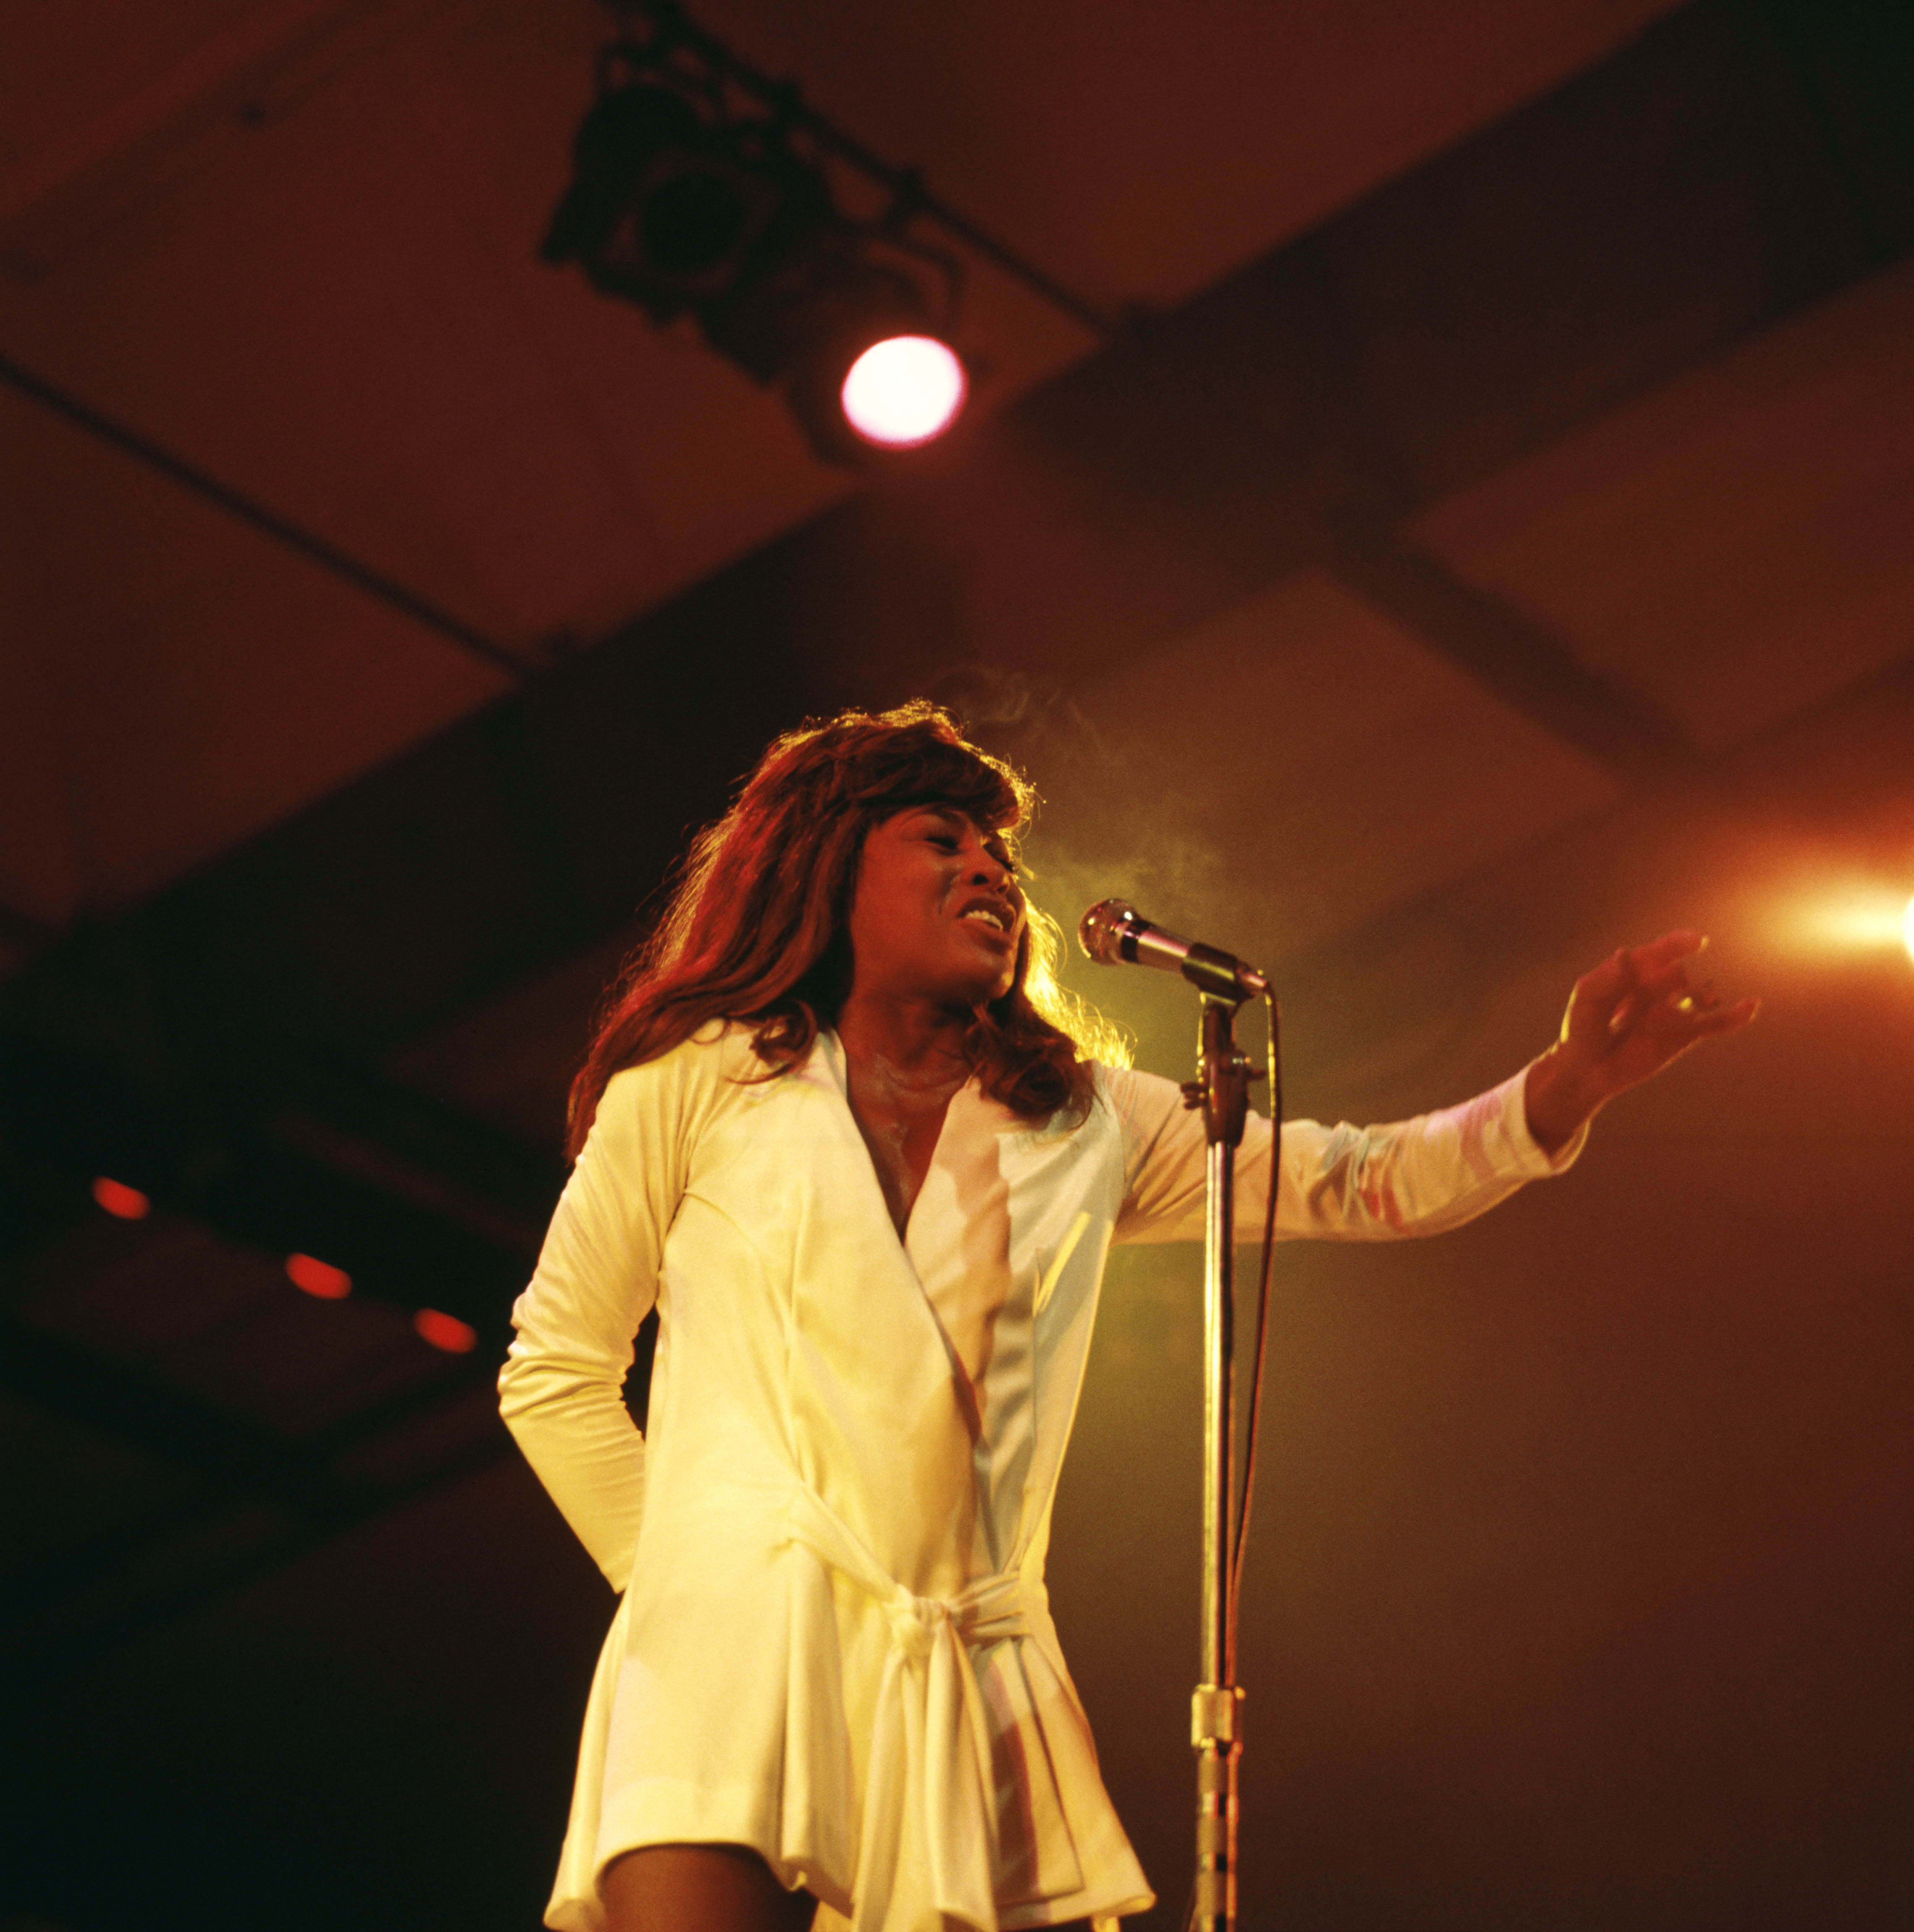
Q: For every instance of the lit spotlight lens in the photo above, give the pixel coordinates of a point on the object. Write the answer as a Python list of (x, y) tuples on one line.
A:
[(1907, 928), (904, 391)]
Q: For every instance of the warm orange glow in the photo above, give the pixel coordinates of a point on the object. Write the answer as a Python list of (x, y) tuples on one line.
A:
[(319, 1278), (446, 1331), (128, 1203), (1847, 915)]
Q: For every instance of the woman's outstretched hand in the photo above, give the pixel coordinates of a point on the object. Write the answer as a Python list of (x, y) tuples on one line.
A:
[(1626, 1019)]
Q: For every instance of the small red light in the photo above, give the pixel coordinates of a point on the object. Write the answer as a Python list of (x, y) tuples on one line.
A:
[(446, 1331), (127, 1203), (319, 1278)]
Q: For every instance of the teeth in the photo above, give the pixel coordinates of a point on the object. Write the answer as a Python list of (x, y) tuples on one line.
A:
[(984, 913)]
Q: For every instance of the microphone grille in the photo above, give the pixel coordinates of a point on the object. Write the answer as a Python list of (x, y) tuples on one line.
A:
[(1101, 930)]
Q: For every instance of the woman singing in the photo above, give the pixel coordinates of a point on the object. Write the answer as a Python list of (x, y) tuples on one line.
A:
[(842, 1130)]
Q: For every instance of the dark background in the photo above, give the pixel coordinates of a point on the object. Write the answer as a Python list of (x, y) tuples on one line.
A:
[(1484, 536)]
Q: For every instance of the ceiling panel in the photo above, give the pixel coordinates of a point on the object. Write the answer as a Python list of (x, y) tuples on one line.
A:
[(1735, 545), (75, 67), (1139, 154), (86, 1484), (180, 678)]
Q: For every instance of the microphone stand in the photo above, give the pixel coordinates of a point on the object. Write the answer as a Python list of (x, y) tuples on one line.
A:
[(1222, 1091), (1110, 930)]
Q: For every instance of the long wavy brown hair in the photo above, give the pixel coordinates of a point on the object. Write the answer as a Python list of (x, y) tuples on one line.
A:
[(756, 928)]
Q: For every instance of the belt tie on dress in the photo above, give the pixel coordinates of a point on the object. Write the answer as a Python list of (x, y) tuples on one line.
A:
[(926, 1852)]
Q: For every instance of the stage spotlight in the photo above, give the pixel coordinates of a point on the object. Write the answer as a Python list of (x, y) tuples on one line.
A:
[(1830, 911), (683, 207), (853, 301), (903, 390)]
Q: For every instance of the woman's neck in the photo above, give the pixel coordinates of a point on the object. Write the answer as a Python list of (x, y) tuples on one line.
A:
[(917, 1042), (903, 1063)]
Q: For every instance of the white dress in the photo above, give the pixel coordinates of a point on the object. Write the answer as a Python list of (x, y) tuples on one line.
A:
[(834, 1643)]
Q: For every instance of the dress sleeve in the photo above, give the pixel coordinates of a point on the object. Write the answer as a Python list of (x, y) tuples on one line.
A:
[(561, 1390), (1416, 1177)]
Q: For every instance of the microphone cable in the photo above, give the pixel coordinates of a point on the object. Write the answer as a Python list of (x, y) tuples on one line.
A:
[(1247, 1488)]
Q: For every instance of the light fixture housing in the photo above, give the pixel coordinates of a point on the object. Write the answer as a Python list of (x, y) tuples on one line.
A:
[(676, 211)]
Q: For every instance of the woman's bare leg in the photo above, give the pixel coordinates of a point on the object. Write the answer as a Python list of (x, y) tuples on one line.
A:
[(699, 1888)]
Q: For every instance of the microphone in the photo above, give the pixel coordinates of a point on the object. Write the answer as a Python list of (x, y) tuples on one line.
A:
[(1113, 930)]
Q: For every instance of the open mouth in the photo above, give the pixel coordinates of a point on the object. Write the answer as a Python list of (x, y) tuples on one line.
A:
[(994, 917)]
